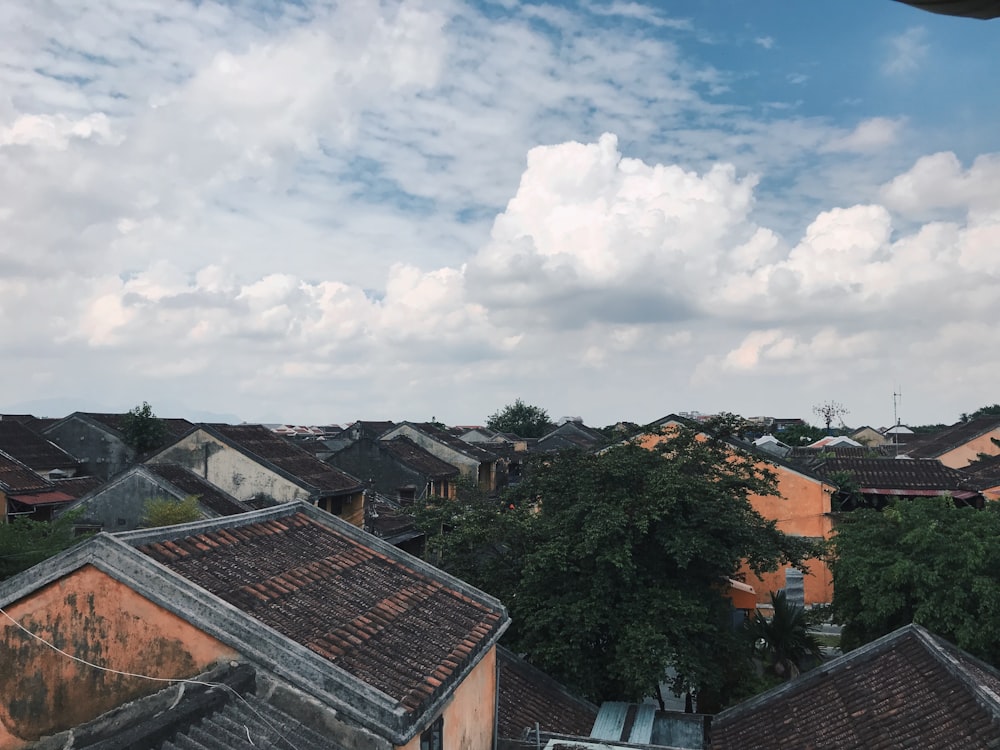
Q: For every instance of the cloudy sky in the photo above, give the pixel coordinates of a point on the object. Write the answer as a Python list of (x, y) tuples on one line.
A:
[(317, 212)]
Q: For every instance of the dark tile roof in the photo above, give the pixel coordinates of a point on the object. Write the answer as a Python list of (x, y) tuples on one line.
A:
[(16, 477), (191, 484), (387, 520), (261, 443), (174, 427), (983, 9), (411, 454), (917, 474), (529, 696), (77, 487), (907, 689), (364, 608), (955, 436), (813, 456), (31, 449), (983, 473)]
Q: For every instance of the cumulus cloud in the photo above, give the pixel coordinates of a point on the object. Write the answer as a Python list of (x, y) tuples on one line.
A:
[(870, 135)]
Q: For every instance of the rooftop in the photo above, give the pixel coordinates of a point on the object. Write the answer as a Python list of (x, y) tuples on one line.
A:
[(32, 449), (398, 628), (411, 454), (191, 484), (907, 689)]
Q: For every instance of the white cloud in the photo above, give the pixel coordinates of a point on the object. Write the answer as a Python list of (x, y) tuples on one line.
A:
[(766, 42), (874, 134), (906, 52)]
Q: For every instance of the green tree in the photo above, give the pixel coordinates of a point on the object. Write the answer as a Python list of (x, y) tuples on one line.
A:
[(25, 542), (613, 566), (167, 511), (524, 420), (983, 411), (922, 560), (142, 429), (799, 435), (784, 640)]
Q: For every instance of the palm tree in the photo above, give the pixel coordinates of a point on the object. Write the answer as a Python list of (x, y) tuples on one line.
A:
[(784, 641)]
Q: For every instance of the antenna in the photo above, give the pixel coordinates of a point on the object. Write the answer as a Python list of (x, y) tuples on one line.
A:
[(897, 398)]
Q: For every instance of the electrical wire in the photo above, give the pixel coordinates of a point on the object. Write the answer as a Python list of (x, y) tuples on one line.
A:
[(154, 679)]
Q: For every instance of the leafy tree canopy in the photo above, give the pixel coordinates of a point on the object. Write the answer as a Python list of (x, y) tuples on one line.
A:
[(142, 429), (25, 542), (166, 511), (800, 434), (983, 411), (524, 420), (613, 566), (922, 560)]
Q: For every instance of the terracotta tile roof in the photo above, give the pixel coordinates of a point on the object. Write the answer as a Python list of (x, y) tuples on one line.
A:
[(955, 436), (983, 473), (907, 689), (31, 449), (191, 484), (402, 631), (528, 695), (411, 454), (16, 477), (260, 442), (926, 474)]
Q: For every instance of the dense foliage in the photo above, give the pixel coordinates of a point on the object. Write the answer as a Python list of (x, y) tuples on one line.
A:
[(613, 566), (167, 511), (784, 641), (922, 560), (524, 420), (25, 542), (142, 429)]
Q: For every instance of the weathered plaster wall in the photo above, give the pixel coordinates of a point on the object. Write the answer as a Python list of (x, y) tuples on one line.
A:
[(470, 717), (93, 617), (228, 469), (965, 454), (121, 505)]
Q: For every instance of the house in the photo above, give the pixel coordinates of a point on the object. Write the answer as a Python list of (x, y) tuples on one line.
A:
[(801, 508), (879, 480), (570, 434), (120, 504), (259, 468), (98, 441), (869, 436), (962, 443), (475, 464), (984, 475), (906, 689), (356, 640), (35, 452), (23, 492), (397, 468)]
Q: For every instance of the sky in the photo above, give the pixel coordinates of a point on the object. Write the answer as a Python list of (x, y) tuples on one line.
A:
[(317, 212)]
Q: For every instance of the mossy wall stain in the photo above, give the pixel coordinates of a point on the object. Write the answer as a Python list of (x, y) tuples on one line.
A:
[(97, 619)]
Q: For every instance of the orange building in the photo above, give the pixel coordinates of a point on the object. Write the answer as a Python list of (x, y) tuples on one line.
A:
[(801, 508), (316, 628)]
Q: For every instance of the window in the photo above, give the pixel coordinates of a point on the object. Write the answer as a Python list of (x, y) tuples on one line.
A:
[(433, 737)]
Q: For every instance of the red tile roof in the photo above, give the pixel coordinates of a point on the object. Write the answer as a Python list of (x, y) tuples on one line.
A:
[(401, 631)]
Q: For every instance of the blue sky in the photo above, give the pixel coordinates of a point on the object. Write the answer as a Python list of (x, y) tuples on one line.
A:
[(318, 212)]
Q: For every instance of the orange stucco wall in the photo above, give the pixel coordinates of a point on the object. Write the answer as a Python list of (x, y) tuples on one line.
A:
[(964, 455), (801, 508), (470, 717), (93, 617)]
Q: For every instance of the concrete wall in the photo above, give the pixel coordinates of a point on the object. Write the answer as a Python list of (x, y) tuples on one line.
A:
[(103, 454), (470, 716), (100, 620), (229, 470), (121, 504)]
